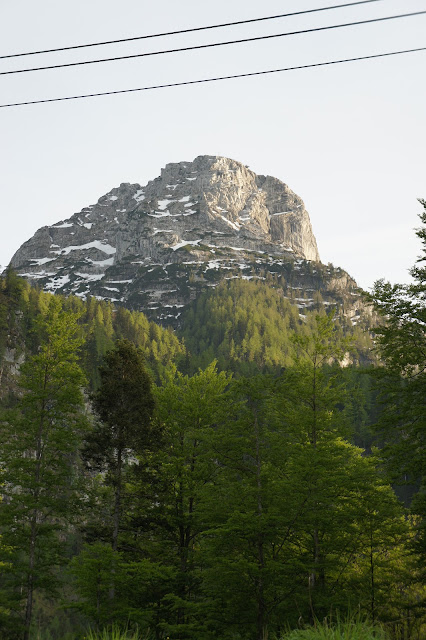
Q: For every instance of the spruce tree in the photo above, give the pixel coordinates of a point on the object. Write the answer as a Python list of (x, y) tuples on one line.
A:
[(124, 404)]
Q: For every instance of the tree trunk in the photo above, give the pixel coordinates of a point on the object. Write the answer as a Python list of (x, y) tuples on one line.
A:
[(30, 581), (117, 503), (261, 622), (372, 581), (180, 613), (33, 529), (116, 519)]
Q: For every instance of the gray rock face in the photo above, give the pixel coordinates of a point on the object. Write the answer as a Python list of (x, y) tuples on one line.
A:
[(210, 211)]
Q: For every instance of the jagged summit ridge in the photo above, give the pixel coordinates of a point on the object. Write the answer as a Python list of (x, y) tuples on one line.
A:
[(193, 210)]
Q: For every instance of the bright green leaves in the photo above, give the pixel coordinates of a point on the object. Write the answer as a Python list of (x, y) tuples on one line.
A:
[(39, 453), (401, 342), (190, 410)]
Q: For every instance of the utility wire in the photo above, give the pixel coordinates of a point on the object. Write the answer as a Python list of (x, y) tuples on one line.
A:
[(217, 44), (194, 29), (240, 75)]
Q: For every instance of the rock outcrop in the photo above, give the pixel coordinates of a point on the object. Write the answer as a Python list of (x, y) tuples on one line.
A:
[(154, 248)]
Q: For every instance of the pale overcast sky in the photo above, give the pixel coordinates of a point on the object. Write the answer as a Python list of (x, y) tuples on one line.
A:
[(350, 139)]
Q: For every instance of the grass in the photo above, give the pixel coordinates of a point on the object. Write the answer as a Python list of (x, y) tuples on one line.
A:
[(338, 630), (115, 633), (349, 630)]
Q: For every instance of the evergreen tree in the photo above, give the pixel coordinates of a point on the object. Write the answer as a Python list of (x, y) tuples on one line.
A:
[(124, 404)]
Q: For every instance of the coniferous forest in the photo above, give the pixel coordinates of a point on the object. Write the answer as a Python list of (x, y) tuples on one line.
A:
[(258, 474)]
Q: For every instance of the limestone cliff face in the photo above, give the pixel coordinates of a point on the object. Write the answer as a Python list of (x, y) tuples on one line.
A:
[(210, 211)]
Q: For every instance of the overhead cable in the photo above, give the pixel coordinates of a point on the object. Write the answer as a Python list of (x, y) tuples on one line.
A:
[(192, 30), (217, 44), (240, 75)]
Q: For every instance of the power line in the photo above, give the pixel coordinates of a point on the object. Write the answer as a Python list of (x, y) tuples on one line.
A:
[(194, 29), (240, 75), (216, 44)]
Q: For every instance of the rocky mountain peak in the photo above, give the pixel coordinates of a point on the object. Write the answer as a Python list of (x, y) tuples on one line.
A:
[(192, 213)]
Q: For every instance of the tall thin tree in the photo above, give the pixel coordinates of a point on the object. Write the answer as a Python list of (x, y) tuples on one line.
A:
[(39, 445), (124, 404)]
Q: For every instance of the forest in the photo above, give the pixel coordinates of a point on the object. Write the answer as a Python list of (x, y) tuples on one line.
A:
[(256, 475)]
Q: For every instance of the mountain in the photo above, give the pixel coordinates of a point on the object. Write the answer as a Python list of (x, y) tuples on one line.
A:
[(156, 248)]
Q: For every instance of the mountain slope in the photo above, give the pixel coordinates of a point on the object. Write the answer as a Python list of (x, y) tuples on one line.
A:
[(249, 326), (153, 248), (101, 324)]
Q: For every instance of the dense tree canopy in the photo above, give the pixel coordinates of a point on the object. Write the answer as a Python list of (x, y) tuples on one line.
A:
[(249, 326), (401, 341), (222, 486)]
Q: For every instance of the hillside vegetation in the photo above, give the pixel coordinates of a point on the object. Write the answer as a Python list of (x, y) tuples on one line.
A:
[(234, 483), (250, 326), (100, 324)]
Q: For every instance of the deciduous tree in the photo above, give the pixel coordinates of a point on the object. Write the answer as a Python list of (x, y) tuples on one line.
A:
[(38, 454), (401, 341)]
